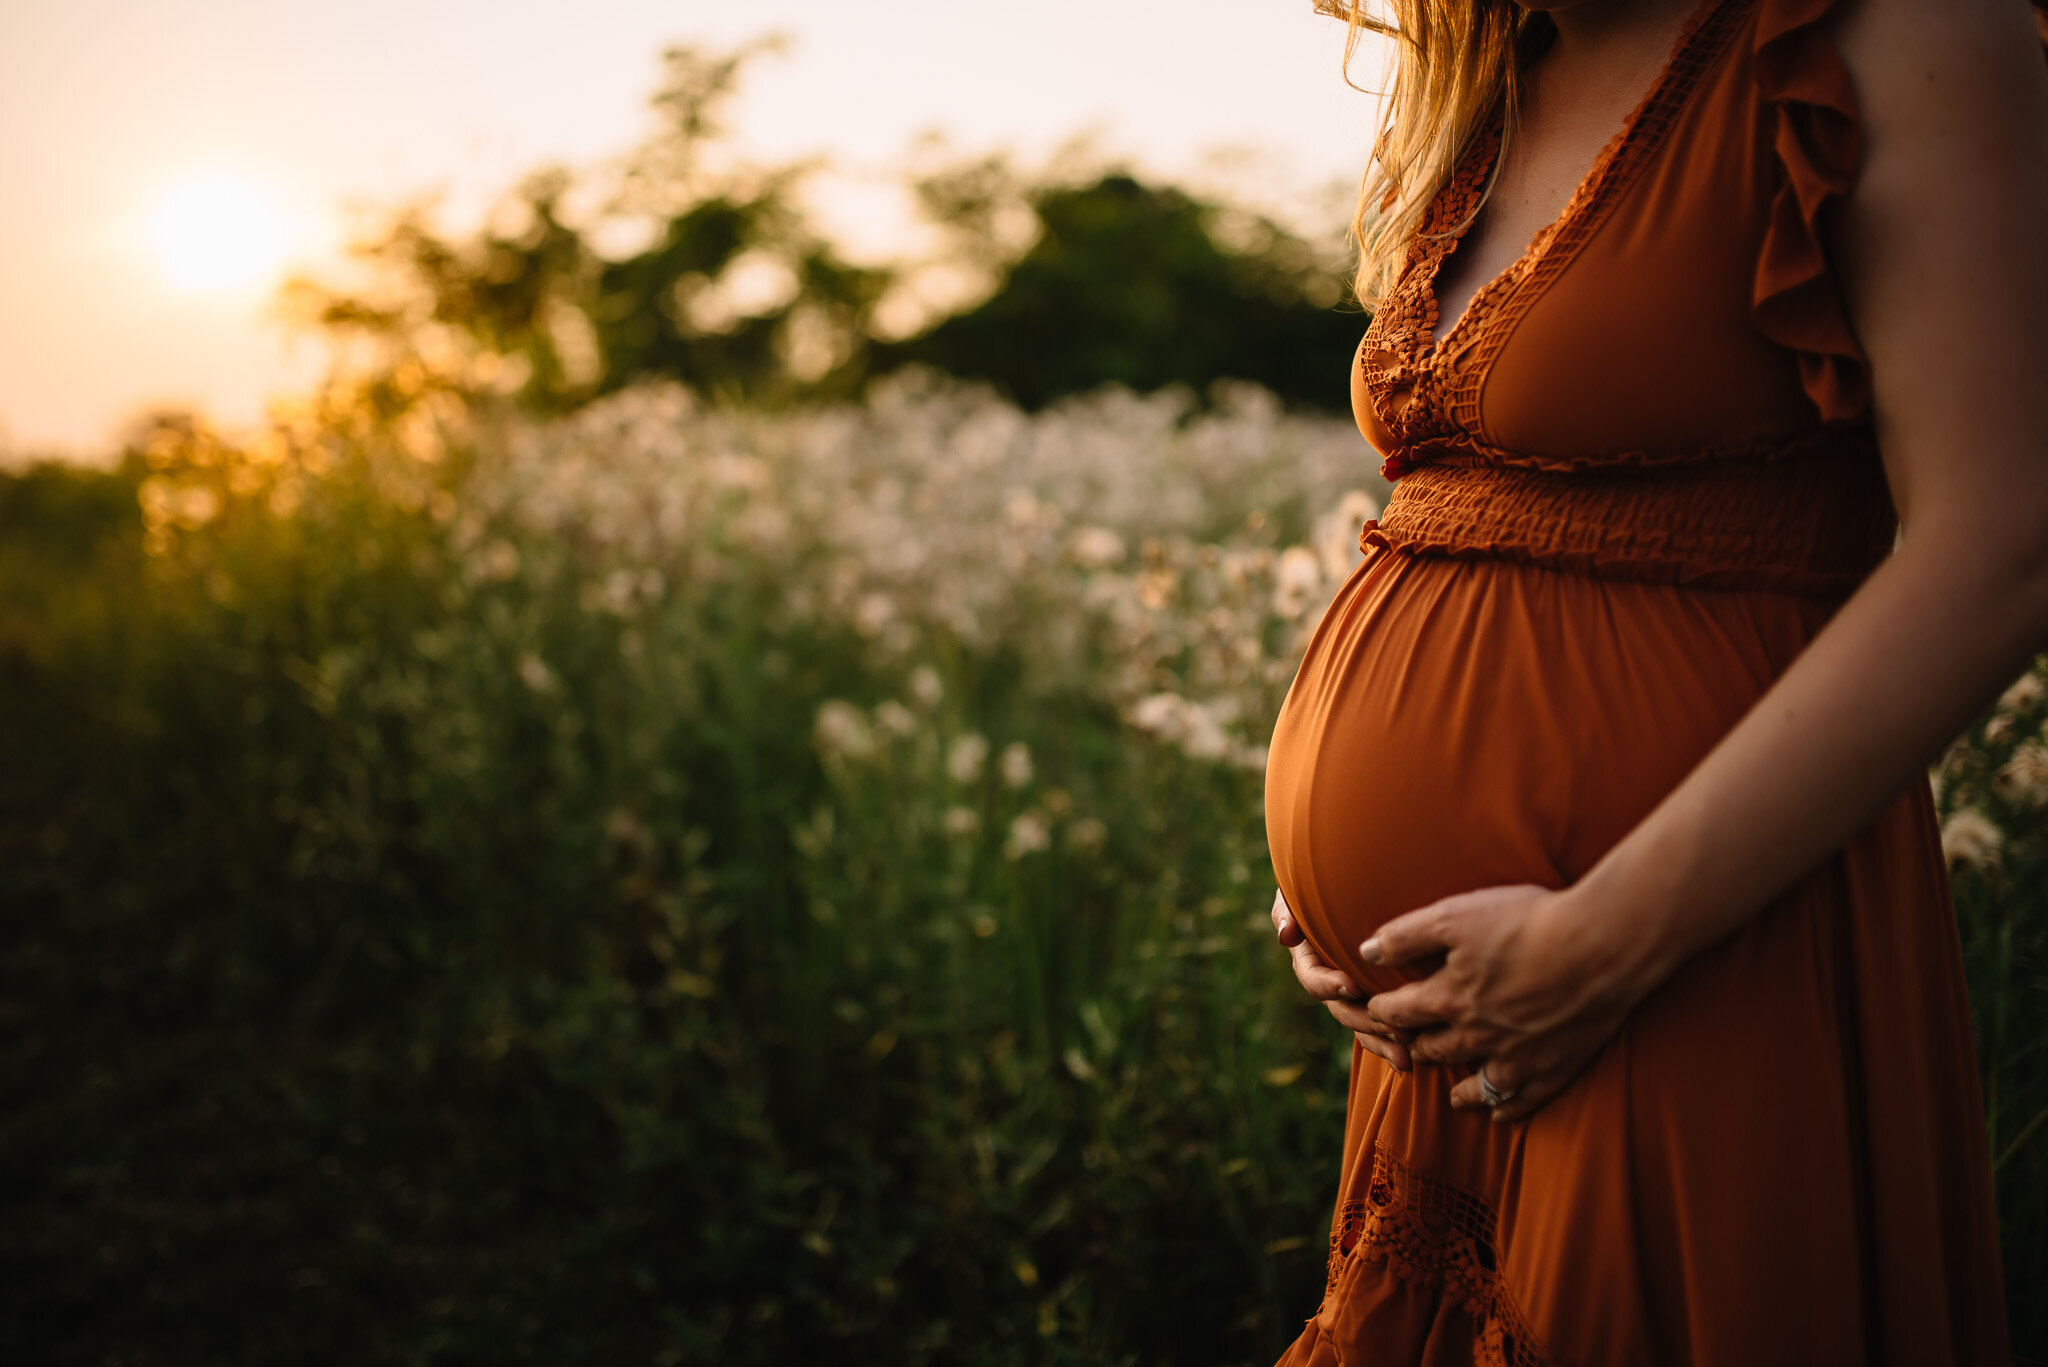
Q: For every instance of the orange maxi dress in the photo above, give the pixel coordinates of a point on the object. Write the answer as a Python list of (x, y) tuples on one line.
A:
[(1633, 482)]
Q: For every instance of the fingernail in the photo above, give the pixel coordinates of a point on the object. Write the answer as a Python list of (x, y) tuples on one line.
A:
[(1285, 922), (1347, 987), (1370, 950)]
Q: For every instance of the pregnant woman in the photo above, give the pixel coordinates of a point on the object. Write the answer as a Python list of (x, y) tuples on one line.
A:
[(1598, 805)]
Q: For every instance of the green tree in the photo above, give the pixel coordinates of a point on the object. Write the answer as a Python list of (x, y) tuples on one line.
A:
[(1140, 285), (736, 293)]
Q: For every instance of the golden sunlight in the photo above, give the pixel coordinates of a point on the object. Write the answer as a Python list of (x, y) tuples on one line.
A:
[(216, 233)]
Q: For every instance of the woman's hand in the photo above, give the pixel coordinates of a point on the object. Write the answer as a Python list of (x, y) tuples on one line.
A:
[(1525, 990), (1336, 991)]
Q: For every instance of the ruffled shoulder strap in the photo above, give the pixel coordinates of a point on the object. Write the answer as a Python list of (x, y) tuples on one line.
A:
[(1817, 140)]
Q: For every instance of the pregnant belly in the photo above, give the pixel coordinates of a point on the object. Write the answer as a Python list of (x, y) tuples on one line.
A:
[(1461, 723)]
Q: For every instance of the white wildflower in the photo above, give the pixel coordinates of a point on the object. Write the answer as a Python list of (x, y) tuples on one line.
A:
[(1970, 837), (874, 612), (962, 821), (1296, 581), (925, 688), (1159, 714), (762, 527), (933, 509), (1336, 533), (841, 731), (1096, 548), (727, 471), (2024, 693), (496, 563), (621, 588), (1203, 736), (965, 757), (896, 719), (1197, 728), (1087, 835), (1155, 588), (1016, 764), (1029, 834), (535, 674), (2024, 777)]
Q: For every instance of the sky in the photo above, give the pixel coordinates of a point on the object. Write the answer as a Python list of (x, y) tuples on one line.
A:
[(164, 162)]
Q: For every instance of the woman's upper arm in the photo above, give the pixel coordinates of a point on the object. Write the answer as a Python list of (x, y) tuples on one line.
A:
[(1943, 253)]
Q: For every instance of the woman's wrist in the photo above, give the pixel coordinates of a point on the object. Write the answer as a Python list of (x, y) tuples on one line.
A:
[(1612, 950)]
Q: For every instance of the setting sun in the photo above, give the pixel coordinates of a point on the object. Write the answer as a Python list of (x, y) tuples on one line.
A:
[(213, 234)]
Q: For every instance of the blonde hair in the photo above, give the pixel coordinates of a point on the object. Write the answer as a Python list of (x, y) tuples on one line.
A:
[(1455, 63)]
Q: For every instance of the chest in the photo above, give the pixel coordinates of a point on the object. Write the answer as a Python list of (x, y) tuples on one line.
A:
[(1571, 109), (1612, 328)]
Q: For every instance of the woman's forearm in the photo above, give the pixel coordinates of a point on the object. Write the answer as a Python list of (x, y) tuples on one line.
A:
[(1934, 633), (1945, 284)]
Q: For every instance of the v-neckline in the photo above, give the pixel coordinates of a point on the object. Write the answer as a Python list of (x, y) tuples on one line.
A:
[(1586, 191)]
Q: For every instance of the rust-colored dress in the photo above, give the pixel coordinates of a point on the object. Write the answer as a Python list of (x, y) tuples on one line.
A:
[(1633, 483)]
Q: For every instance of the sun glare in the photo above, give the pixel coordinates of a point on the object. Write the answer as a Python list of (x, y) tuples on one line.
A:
[(216, 234)]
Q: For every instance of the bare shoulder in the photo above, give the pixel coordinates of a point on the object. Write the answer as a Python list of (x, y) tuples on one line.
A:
[(1938, 245), (1933, 71)]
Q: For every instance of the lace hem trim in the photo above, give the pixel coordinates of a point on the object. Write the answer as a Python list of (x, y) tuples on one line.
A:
[(1433, 1234)]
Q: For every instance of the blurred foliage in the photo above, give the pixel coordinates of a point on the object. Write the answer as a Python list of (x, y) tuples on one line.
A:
[(735, 293), (1133, 283), (432, 940), (445, 926), (1992, 787)]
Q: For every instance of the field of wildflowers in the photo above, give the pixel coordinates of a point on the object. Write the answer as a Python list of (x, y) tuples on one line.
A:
[(684, 884)]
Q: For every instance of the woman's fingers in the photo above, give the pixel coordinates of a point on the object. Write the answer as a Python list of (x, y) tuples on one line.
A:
[(1529, 1098), (1393, 1051), (1410, 935), (1317, 978), (1525, 1094), (1466, 1095), (1390, 1044), (1533, 1076), (1353, 1016), (1415, 1006), (1284, 924), (1446, 1044), (1335, 989), (1436, 928), (1509, 994)]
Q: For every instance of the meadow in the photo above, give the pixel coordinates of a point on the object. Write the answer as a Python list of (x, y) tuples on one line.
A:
[(675, 882)]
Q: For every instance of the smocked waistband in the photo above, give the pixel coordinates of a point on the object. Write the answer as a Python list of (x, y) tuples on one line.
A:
[(1814, 525)]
